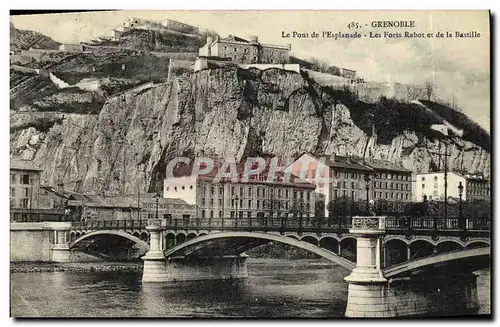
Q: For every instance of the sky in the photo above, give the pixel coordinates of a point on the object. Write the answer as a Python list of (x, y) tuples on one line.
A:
[(459, 67)]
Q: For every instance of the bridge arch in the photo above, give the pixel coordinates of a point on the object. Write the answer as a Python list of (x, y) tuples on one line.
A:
[(449, 245), (329, 236), (143, 246), (253, 239), (330, 243), (421, 247), (396, 251), (310, 239), (477, 243), (446, 257)]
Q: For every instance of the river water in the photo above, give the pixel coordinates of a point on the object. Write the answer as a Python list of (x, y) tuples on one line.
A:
[(275, 288)]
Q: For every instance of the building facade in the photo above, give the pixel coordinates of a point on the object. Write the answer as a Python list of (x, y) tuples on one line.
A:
[(348, 73), (351, 177), (431, 186), (24, 184), (181, 27), (391, 182), (243, 51), (255, 197), (477, 187)]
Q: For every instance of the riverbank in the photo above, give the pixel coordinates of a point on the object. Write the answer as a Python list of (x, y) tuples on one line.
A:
[(37, 267), (40, 267)]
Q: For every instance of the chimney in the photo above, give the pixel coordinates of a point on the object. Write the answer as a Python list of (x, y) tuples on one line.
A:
[(209, 40), (254, 38), (60, 187), (331, 157)]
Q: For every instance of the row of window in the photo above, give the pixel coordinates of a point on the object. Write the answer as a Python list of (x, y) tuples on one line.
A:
[(435, 185), (260, 204), (360, 176), (376, 195), (175, 188), (479, 192), (385, 185), (245, 50), (23, 203), (25, 191), (390, 195), (398, 177), (397, 186), (249, 214), (228, 55), (26, 179)]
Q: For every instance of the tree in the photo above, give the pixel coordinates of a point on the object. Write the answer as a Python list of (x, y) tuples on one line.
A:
[(299, 208), (319, 65), (429, 88), (334, 70), (414, 92), (319, 208)]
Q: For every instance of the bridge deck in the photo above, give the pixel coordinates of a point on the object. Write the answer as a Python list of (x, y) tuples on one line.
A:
[(394, 225)]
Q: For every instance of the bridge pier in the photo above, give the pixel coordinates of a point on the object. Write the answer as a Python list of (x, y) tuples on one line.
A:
[(60, 248), (154, 260), (371, 294), (366, 291)]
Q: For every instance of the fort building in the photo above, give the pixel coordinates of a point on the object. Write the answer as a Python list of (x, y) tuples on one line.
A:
[(242, 51)]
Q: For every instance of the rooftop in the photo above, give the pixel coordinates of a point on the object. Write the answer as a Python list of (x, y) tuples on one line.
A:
[(360, 164), (18, 164), (261, 178)]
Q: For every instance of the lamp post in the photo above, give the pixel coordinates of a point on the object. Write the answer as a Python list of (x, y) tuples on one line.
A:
[(367, 180), (236, 218), (460, 192), (157, 196)]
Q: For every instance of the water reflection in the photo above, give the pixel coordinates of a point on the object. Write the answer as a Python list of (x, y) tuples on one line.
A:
[(275, 288)]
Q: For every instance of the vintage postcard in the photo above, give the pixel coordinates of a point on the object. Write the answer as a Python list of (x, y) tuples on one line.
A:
[(250, 164)]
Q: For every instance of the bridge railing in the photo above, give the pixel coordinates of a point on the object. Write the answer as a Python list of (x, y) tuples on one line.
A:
[(110, 224), (261, 223), (305, 224), (438, 223), (38, 215)]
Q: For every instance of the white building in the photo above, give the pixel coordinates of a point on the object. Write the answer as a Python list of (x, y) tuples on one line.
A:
[(431, 185)]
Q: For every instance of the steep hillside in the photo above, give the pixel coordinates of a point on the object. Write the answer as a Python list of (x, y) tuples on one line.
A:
[(472, 131), (226, 112), (25, 39), (149, 40)]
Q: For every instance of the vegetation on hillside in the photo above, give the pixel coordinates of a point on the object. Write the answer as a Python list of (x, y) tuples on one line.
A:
[(472, 131), (388, 118), (25, 39)]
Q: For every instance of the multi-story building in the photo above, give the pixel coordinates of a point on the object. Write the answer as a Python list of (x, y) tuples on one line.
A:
[(255, 197), (333, 176), (348, 177), (24, 184), (430, 186), (391, 181), (477, 187), (243, 51)]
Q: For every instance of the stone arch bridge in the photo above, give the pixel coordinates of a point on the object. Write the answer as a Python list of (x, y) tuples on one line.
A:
[(384, 254)]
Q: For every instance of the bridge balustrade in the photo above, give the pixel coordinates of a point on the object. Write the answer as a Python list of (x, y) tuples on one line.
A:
[(437, 223), (295, 224)]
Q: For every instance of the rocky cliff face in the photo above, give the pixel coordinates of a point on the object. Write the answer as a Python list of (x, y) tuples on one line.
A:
[(222, 112)]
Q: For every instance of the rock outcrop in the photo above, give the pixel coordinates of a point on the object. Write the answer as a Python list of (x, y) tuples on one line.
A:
[(224, 112)]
